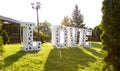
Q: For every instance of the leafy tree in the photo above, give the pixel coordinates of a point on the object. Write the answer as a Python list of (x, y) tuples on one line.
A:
[(67, 22), (5, 37), (77, 18), (45, 31), (97, 32), (111, 34), (42, 36), (45, 27)]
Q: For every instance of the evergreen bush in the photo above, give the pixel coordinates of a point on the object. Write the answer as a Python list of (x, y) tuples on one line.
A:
[(111, 34), (1, 50), (5, 37)]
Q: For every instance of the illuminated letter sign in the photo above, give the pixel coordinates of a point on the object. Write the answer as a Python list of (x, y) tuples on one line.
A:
[(83, 37), (28, 44), (59, 36), (67, 36), (72, 37)]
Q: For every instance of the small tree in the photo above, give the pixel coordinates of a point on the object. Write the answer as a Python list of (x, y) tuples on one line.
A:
[(5, 37)]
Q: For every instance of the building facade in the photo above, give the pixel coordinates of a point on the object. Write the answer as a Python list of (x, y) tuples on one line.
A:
[(12, 27)]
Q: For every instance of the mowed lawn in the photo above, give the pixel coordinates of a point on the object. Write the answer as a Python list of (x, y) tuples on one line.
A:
[(52, 59)]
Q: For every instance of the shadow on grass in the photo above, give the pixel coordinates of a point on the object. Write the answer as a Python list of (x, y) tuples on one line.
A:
[(96, 45), (13, 58), (98, 54), (67, 59)]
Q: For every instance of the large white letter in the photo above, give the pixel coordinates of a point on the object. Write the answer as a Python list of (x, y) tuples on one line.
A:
[(83, 37), (28, 37), (59, 36), (72, 37)]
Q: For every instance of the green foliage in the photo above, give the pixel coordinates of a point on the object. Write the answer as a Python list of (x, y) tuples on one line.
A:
[(67, 22), (77, 18), (0, 25), (97, 32), (45, 31), (1, 47), (5, 37), (52, 59), (75, 21), (1, 50), (45, 27), (111, 34), (43, 37), (1, 43)]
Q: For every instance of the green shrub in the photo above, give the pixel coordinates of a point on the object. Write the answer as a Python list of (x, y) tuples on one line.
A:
[(5, 37), (111, 34), (97, 32), (43, 37), (1, 50)]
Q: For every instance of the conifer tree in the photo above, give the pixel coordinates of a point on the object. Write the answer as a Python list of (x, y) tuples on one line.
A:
[(111, 34), (77, 17)]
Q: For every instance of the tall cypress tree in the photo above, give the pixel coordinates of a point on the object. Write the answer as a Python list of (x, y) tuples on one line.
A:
[(111, 34)]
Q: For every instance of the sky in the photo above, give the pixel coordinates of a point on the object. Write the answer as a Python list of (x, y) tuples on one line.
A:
[(52, 10)]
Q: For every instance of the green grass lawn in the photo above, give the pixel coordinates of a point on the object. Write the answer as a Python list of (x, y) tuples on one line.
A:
[(51, 59)]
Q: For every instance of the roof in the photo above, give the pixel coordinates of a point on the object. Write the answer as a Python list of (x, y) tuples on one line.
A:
[(9, 19)]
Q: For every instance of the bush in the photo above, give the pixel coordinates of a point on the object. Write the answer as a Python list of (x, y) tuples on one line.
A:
[(1, 50), (111, 34), (5, 37), (43, 37), (97, 32)]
